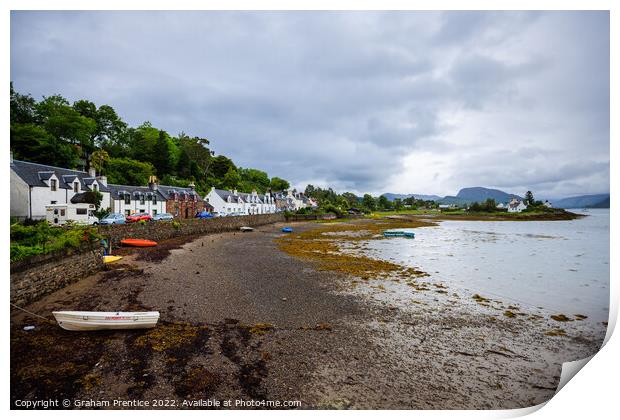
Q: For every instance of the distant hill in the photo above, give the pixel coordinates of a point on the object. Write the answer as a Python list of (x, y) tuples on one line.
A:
[(391, 196), (583, 201), (480, 194)]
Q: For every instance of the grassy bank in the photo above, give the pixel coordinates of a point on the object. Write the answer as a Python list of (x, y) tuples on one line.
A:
[(41, 238), (460, 214)]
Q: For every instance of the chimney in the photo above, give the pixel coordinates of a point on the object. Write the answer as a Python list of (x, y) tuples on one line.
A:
[(103, 179), (234, 192), (91, 172), (153, 185), (192, 186)]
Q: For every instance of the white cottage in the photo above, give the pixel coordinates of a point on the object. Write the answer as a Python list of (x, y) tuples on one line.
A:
[(516, 206), (227, 202), (35, 186)]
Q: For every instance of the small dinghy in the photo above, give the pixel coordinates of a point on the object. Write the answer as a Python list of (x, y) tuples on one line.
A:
[(246, 229), (287, 229), (111, 258), (401, 233), (92, 321), (138, 242)]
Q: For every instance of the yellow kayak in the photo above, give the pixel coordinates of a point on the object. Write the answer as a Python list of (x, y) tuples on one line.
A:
[(110, 258)]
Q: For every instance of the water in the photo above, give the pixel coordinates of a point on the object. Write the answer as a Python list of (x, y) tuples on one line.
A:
[(559, 266)]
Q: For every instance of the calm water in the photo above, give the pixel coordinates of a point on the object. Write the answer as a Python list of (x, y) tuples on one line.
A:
[(561, 266)]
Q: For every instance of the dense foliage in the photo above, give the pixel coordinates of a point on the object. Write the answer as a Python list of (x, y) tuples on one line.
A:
[(55, 132), (41, 238)]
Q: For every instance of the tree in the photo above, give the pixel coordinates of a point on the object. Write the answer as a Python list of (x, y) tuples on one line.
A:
[(398, 204), (231, 179), (384, 203), (33, 143), (65, 123), (369, 202), (162, 155), (23, 108), (99, 159), (279, 184), (350, 198), (529, 198), (220, 166), (127, 171), (110, 129), (253, 179)]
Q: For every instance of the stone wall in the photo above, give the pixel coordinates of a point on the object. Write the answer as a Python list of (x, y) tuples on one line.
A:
[(40, 275), (43, 274), (157, 231)]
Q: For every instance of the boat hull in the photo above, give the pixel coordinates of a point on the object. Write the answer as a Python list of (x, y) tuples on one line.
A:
[(93, 321), (138, 242), (111, 258)]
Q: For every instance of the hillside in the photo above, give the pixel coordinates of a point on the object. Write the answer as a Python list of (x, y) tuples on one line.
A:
[(392, 196), (480, 194), (583, 201)]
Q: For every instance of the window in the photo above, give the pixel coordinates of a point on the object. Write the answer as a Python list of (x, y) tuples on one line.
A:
[(55, 211), (154, 212), (142, 199), (53, 202), (141, 210), (81, 211), (53, 185), (127, 199), (154, 198), (127, 212), (76, 187), (62, 212)]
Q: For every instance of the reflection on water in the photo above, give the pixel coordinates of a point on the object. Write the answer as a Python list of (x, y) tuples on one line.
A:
[(561, 266)]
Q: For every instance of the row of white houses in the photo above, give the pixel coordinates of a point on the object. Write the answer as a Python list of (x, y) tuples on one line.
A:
[(35, 186)]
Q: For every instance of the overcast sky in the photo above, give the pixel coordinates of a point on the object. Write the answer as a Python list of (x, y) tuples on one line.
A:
[(403, 102)]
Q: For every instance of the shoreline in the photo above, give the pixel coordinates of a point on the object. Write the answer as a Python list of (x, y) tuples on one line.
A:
[(242, 319)]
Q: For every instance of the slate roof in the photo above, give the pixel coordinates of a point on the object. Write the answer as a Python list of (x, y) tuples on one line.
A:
[(163, 192), (34, 174), (224, 194)]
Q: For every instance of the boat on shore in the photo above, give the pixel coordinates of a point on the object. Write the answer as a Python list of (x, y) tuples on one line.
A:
[(287, 229), (111, 258), (138, 242), (246, 229), (93, 321), (398, 233)]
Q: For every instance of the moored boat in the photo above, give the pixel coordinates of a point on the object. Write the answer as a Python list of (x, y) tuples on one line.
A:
[(92, 321), (287, 229), (138, 242), (398, 233)]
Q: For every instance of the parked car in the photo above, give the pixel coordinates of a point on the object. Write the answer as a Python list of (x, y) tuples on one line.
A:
[(113, 219), (204, 215), (163, 216), (136, 217)]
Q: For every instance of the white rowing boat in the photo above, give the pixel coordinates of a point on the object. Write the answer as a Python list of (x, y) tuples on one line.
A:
[(91, 321), (246, 229)]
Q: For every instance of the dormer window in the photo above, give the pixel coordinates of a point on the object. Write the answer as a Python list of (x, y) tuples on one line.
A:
[(76, 186), (141, 198), (127, 199), (154, 198), (53, 185)]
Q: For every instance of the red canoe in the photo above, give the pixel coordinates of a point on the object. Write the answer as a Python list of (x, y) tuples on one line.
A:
[(138, 242)]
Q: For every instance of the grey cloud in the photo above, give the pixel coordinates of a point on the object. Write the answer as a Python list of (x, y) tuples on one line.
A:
[(344, 97)]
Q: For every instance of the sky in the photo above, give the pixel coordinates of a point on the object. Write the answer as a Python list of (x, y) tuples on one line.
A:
[(400, 102)]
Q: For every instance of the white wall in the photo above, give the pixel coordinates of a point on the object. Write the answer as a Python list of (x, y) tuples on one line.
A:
[(119, 206), (19, 197)]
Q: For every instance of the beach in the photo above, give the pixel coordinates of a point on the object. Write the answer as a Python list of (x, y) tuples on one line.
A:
[(261, 316)]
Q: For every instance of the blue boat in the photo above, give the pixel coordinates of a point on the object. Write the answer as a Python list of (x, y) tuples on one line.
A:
[(287, 229), (398, 233)]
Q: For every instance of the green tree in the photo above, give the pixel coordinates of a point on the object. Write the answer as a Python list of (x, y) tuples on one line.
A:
[(279, 184), (99, 159), (231, 179), (162, 155), (384, 203), (369, 202), (23, 108), (31, 142), (253, 179), (529, 198), (127, 171), (398, 204), (220, 167)]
